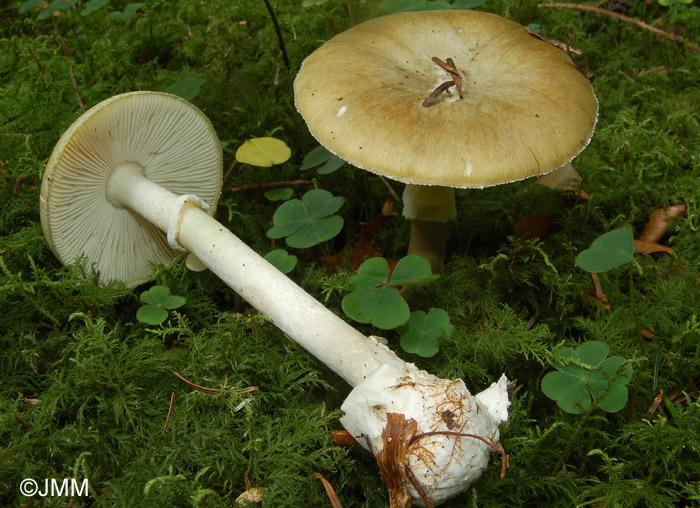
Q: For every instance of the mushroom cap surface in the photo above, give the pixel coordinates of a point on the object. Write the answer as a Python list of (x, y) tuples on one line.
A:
[(526, 108), (170, 141)]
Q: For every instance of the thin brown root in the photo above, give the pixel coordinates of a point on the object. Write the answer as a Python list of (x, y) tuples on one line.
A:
[(494, 445)]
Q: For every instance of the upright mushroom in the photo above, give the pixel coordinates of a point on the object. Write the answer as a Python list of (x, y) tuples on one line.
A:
[(114, 161), (445, 99)]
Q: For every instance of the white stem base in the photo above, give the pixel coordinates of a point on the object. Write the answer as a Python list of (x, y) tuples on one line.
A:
[(444, 463)]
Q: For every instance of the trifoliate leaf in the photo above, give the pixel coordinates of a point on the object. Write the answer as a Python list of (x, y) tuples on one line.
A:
[(263, 152), (282, 260), (383, 307), (308, 221)]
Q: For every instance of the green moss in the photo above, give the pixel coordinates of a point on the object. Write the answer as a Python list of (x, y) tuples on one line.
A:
[(86, 389)]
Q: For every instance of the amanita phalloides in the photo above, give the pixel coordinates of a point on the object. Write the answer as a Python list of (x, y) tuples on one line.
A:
[(445, 99), (118, 189)]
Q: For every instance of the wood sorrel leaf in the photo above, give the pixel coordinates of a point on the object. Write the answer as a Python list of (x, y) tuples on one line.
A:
[(308, 221), (412, 270), (383, 307), (421, 334), (282, 260), (263, 152), (608, 251)]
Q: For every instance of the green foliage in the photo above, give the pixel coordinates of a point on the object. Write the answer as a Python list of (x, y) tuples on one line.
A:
[(308, 221), (89, 395), (374, 298), (584, 372), (93, 6), (421, 5), (187, 88), (263, 152), (422, 333), (613, 249), (320, 156), (279, 194), (128, 13), (282, 260), (158, 302), (671, 3)]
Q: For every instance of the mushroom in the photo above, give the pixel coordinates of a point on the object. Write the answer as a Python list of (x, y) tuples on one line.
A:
[(441, 100), (128, 164)]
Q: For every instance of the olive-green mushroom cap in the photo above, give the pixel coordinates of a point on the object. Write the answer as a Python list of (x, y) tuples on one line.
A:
[(525, 110)]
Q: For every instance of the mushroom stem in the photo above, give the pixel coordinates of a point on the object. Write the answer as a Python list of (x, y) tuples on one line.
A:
[(442, 457), (429, 239), (338, 345), (429, 207)]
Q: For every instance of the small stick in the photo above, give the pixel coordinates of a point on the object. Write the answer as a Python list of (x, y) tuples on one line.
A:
[(270, 185), (228, 171), (435, 93), (81, 104), (280, 39), (391, 189), (170, 410), (195, 386), (450, 67), (419, 488), (641, 24)]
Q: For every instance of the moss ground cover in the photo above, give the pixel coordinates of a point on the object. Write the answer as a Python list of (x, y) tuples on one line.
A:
[(88, 391)]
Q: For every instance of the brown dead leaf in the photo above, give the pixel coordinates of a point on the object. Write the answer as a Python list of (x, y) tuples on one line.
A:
[(651, 247), (363, 249), (392, 460), (646, 333), (659, 221), (343, 438), (330, 492), (532, 226)]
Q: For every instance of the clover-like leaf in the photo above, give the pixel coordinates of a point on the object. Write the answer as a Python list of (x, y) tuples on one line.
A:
[(188, 88), (279, 194), (158, 301), (263, 152), (128, 13), (372, 273), (569, 392), (588, 376), (422, 332), (308, 221), (319, 156), (383, 307), (412, 270), (92, 6), (613, 249), (151, 315), (282, 260)]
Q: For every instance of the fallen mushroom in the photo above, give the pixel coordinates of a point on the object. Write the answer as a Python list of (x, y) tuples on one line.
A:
[(445, 99), (114, 161)]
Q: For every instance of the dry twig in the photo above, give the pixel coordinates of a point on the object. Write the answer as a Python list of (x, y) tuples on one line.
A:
[(641, 24), (81, 104), (270, 185)]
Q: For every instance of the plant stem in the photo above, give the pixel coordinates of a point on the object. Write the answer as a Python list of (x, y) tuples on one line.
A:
[(280, 39), (640, 342)]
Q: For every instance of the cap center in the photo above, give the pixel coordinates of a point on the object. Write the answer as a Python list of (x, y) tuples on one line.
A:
[(456, 81)]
